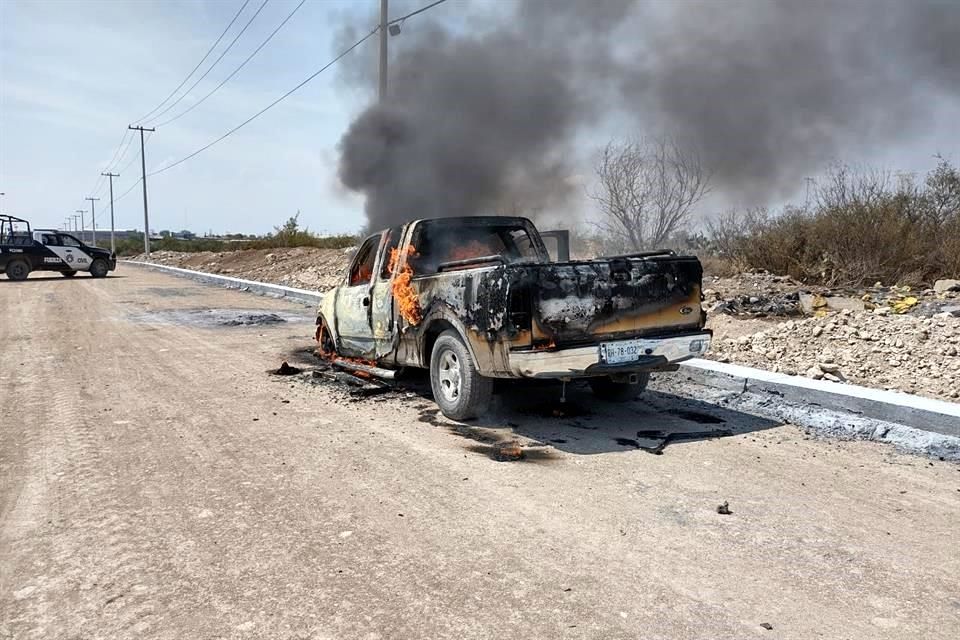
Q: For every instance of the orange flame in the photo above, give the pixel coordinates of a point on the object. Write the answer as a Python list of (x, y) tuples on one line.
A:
[(325, 346), (403, 291), (544, 346), (473, 249)]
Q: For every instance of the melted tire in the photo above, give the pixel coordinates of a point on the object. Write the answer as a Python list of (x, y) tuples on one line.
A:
[(451, 360)]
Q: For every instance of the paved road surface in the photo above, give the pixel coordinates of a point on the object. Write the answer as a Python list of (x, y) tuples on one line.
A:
[(156, 482)]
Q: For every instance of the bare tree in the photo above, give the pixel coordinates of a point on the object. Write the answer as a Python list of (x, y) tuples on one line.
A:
[(647, 190)]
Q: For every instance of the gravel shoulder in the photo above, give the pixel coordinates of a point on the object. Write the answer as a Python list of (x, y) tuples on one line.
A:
[(176, 489)]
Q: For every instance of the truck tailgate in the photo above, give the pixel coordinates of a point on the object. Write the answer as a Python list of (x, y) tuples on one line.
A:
[(585, 302)]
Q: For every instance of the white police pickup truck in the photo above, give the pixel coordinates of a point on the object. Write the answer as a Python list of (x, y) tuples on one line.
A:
[(23, 250)]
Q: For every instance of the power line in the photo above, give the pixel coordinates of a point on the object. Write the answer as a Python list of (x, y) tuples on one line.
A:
[(118, 155), (124, 153), (206, 55), (309, 78), (269, 106), (135, 156), (413, 13), (100, 191), (97, 185), (210, 68), (225, 80), (127, 166), (115, 157), (132, 187)]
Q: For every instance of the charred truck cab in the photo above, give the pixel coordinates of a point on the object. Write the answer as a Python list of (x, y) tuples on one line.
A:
[(477, 298)]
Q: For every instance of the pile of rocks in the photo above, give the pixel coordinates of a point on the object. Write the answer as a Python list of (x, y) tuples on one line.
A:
[(900, 352)]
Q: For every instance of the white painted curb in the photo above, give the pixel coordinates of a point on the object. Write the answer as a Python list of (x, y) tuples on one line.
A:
[(926, 414)]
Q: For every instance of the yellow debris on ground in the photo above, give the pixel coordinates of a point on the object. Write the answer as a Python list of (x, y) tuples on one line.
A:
[(903, 304)]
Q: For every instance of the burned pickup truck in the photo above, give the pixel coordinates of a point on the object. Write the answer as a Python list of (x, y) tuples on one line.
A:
[(478, 298)]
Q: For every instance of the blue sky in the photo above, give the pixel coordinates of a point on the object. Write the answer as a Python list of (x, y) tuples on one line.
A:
[(74, 74)]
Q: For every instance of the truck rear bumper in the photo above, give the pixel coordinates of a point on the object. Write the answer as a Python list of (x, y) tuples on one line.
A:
[(654, 353)]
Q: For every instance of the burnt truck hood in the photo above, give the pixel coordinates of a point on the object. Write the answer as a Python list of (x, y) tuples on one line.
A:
[(585, 302)]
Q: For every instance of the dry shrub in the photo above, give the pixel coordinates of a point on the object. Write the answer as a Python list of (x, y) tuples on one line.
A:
[(863, 227)]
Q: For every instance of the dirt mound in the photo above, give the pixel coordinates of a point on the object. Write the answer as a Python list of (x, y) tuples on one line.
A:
[(302, 267)]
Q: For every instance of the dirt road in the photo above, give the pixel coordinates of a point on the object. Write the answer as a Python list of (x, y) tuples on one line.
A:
[(156, 482)]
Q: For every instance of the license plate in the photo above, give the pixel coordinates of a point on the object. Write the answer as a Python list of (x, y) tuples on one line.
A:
[(624, 351)]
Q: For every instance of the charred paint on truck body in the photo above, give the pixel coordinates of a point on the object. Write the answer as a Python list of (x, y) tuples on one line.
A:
[(490, 279)]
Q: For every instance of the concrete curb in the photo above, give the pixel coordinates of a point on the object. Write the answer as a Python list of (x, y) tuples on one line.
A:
[(262, 288), (926, 414)]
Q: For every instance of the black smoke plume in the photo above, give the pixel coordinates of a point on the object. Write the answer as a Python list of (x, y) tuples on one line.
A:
[(501, 114)]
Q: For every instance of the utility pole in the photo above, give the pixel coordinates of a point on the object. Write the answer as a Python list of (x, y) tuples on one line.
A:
[(143, 169), (383, 50), (93, 215), (74, 226), (113, 242), (83, 225)]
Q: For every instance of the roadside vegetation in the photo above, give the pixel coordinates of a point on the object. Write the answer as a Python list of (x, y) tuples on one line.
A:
[(861, 227), (288, 235)]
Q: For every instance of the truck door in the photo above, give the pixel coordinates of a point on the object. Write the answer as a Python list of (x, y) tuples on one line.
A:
[(50, 257), (382, 295), (70, 250), (353, 305)]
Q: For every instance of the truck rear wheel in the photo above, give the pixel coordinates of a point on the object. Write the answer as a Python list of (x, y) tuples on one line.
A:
[(99, 268), (606, 388), (18, 270), (458, 388)]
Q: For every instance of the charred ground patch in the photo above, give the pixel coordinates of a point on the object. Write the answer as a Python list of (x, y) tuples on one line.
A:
[(219, 318), (512, 452)]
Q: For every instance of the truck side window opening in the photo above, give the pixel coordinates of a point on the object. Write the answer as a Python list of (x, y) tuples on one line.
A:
[(523, 244), (393, 241), (69, 241), (50, 240), (362, 269), (436, 245)]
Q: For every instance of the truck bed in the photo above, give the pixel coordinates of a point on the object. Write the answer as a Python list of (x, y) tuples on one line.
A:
[(557, 305)]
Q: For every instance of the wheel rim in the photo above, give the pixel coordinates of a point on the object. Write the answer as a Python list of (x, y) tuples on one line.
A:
[(18, 270), (450, 376)]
